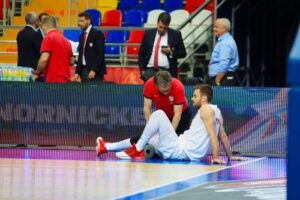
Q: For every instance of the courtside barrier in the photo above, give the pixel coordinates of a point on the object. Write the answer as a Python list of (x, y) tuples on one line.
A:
[(76, 114)]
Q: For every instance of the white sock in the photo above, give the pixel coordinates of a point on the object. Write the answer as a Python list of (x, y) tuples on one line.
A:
[(118, 146)]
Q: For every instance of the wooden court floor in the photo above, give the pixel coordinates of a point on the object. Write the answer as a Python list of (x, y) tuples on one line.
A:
[(27, 173)]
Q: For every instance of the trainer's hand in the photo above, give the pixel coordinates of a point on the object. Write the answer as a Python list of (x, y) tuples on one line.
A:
[(217, 161), (235, 158)]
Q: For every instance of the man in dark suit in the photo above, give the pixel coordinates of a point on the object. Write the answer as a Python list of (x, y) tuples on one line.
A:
[(41, 17), (28, 43), (160, 49), (91, 64)]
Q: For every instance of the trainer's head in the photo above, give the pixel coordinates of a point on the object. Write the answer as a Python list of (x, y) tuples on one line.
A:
[(221, 26), (48, 24), (84, 20), (163, 22), (203, 94), (163, 81)]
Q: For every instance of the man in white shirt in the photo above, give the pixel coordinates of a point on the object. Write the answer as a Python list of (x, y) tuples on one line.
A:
[(91, 63), (160, 49)]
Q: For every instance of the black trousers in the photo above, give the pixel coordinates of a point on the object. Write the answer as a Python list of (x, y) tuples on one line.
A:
[(150, 72), (184, 124), (85, 74), (228, 79)]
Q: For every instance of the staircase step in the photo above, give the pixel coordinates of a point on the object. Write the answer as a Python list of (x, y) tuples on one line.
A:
[(9, 58), (10, 34), (8, 47)]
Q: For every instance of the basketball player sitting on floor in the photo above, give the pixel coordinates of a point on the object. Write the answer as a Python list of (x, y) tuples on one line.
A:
[(196, 142)]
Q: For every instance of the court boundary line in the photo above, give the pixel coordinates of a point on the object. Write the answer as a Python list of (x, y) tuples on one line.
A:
[(135, 194)]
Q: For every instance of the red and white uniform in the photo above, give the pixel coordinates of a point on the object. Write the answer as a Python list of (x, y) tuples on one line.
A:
[(58, 66), (166, 102)]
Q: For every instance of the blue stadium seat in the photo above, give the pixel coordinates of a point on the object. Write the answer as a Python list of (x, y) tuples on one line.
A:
[(126, 5), (96, 16), (148, 5), (72, 34), (170, 5), (133, 18), (115, 36)]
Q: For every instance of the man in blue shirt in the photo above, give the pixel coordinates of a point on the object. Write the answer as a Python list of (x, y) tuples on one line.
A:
[(224, 58)]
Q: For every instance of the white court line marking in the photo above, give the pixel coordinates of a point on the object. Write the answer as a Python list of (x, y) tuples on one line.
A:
[(186, 179)]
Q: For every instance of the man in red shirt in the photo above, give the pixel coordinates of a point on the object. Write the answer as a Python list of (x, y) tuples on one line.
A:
[(168, 95), (56, 54)]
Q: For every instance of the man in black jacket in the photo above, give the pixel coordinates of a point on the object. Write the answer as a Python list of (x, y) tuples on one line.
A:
[(41, 17), (160, 49), (28, 43), (91, 64)]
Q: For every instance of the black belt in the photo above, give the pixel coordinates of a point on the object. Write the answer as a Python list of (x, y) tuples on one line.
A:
[(159, 68), (229, 73), (226, 74)]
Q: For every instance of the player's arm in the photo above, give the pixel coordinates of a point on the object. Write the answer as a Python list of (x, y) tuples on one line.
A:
[(226, 144), (147, 108), (177, 115), (208, 116)]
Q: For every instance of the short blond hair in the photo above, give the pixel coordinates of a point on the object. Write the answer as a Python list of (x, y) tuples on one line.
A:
[(49, 22)]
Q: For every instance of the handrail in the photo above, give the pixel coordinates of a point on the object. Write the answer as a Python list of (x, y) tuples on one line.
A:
[(4, 12), (185, 23), (204, 31), (194, 14), (70, 12), (194, 50), (12, 13), (194, 29)]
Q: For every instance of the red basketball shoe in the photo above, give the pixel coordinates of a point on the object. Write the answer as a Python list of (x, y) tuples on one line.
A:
[(100, 148), (131, 153)]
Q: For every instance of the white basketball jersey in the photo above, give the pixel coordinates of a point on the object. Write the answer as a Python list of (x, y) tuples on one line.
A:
[(195, 141)]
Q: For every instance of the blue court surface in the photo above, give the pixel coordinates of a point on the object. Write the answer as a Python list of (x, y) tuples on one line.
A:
[(51, 173)]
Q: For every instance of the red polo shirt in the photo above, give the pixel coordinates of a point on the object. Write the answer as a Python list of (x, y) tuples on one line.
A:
[(166, 102), (58, 66)]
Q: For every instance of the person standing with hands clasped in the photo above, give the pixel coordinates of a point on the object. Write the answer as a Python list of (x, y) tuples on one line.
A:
[(225, 58)]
